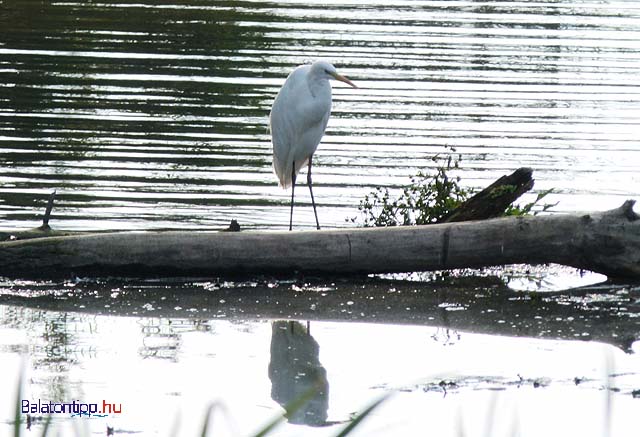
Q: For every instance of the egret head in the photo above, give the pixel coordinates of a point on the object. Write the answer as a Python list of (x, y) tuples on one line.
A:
[(326, 70)]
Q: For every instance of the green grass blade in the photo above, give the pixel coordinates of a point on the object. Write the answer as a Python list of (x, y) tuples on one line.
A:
[(290, 408), (18, 415), (360, 417), (213, 406), (271, 425), (45, 428), (205, 425)]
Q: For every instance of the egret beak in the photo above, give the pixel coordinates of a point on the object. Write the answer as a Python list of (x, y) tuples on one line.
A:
[(336, 76)]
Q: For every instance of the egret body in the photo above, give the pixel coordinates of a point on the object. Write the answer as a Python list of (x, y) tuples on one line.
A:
[(297, 122)]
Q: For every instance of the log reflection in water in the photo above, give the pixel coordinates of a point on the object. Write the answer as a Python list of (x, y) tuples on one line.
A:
[(605, 313)]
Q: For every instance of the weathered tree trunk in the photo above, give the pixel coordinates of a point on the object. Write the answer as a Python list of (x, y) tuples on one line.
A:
[(606, 242)]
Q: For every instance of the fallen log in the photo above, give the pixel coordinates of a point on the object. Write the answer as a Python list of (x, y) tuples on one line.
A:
[(606, 242)]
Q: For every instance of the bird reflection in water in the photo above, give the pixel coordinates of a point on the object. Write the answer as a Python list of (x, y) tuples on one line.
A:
[(295, 370)]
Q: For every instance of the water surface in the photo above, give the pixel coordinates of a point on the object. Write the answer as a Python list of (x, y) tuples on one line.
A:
[(146, 115), (155, 116)]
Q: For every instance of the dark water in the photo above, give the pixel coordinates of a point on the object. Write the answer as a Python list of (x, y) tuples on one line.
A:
[(148, 115)]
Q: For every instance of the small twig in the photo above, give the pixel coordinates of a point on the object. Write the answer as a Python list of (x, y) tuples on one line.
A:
[(47, 211)]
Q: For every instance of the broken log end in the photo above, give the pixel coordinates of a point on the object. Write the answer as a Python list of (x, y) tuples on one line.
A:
[(625, 211), (628, 212), (611, 242), (493, 200), (523, 173)]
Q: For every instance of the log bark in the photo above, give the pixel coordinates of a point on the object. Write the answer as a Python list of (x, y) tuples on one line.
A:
[(605, 242)]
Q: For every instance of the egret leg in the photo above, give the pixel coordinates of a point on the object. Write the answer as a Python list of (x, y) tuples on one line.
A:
[(313, 202), (293, 187)]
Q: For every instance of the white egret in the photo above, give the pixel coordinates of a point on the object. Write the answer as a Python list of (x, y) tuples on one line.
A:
[(297, 122)]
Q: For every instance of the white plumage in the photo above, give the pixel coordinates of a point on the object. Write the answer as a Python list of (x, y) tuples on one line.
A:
[(298, 120)]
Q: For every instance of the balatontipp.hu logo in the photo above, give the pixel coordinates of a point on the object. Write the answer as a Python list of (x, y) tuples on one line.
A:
[(75, 408)]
